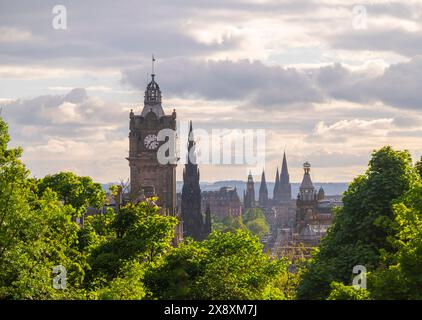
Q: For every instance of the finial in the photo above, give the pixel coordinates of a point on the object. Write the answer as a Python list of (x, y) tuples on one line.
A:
[(152, 67)]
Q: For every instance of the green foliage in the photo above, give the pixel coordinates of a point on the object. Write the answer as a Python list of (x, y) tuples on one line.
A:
[(225, 266), (79, 192), (360, 228), (140, 232), (254, 220), (418, 167), (127, 286), (399, 276), (228, 224), (36, 234), (339, 291)]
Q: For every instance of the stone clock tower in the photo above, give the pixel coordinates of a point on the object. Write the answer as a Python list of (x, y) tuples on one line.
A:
[(148, 177)]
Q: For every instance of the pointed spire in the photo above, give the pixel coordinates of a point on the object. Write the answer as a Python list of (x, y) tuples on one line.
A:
[(285, 189), (250, 178), (263, 186), (284, 176), (284, 166), (263, 191), (276, 185), (191, 146)]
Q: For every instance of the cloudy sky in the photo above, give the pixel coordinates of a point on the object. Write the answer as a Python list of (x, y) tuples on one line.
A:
[(328, 82)]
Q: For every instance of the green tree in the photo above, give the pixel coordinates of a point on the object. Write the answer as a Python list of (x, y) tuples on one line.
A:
[(254, 219), (227, 265), (339, 291), (79, 192), (36, 234), (140, 232), (360, 228), (399, 275), (128, 285), (418, 167)]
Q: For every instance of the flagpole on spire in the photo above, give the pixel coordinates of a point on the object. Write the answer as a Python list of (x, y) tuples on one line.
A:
[(152, 65)]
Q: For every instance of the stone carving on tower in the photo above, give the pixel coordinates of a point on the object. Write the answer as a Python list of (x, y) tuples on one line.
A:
[(193, 221)]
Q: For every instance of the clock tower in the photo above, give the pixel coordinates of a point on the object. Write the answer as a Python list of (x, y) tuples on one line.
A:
[(148, 176)]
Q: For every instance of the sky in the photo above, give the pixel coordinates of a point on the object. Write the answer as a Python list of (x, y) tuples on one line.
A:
[(329, 81)]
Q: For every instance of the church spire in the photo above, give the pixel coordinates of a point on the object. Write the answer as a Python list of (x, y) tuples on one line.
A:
[(276, 185), (285, 186), (284, 176), (263, 191)]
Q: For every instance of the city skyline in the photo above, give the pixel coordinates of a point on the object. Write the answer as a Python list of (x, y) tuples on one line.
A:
[(325, 90)]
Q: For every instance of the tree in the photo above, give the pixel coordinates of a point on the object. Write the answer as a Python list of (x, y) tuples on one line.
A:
[(399, 275), (127, 285), (79, 192), (227, 265), (140, 233), (418, 167), (339, 291), (36, 234), (361, 227), (254, 219)]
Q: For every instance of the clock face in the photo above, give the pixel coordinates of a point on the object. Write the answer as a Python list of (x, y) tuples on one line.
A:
[(151, 142)]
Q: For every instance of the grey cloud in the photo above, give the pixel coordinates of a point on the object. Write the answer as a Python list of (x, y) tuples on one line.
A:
[(398, 86), (395, 40), (73, 115), (260, 86), (251, 81)]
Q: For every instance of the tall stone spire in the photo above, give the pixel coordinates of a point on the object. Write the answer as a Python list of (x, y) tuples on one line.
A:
[(193, 222), (276, 195), (263, 191), (285, 188)]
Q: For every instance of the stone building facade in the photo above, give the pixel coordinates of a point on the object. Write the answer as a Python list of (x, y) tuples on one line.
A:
[(222, 203)]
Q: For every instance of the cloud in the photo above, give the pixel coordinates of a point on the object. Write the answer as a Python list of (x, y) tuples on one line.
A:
[(243, 80), (74, 109), (72, 131), (345, 129), (256, 85), (397, 86)]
